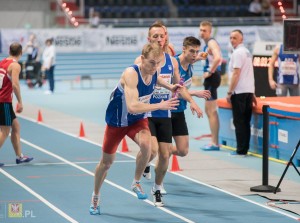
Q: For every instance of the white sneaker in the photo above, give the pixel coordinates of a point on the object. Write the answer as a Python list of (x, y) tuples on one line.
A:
[(163, 190), (158, 202), (147, 173)]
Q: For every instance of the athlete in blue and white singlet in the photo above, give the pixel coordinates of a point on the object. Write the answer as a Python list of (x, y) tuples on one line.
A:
[(167, 72), (126, 116), (287, 74), (190, 50), (117, 114), (186, 78), (288, 68), (212, 80)]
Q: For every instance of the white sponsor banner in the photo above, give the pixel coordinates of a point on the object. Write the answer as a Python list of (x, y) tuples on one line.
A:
[(177, 35), (81, 40), (12, 35), (263, 48), (128, 39)]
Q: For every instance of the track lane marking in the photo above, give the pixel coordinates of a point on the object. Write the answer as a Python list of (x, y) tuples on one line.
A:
[(45, 201), (106, 181), (177, 174)]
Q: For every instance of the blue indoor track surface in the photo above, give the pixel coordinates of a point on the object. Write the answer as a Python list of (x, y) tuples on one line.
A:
[(56, 187)]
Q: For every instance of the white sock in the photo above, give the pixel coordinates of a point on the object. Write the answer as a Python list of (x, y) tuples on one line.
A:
[(135, 182), (95, 199), (20, 157), (157, 187)]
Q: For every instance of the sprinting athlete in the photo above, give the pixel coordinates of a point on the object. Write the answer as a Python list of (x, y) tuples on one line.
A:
[(126, 115), (160, 123), (186, 59)]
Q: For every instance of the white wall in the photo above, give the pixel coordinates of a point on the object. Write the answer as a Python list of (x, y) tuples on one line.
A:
[(21, 13)]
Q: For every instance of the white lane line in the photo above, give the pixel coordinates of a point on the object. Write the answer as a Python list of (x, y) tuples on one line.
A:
[(46, 202), (237, 196), (69, 134), (62, 163), (107, 181), (180, 175)]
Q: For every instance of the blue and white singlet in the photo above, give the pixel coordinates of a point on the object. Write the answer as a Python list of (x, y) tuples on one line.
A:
[(116, 113), (288, 68), (160, 93), (186, 75), (209, 59)]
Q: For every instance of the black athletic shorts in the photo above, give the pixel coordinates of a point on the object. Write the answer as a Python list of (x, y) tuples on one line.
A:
[(179, 125), (212, 83), (161, 128), (7, 114)]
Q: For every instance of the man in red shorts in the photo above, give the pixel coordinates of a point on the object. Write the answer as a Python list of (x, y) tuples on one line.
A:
[(126, 114)]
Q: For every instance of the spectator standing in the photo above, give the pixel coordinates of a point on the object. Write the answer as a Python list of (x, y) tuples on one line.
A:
[(95, 20), (32, 48), (255, 8), (49, 60)]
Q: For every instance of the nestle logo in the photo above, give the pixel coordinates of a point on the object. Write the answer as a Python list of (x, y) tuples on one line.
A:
[(270, 47)]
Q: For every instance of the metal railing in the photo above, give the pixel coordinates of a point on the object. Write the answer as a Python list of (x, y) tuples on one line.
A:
[(183, 22)]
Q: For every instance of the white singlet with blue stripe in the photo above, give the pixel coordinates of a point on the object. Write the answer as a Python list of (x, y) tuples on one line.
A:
[(210, 58), (160, 93), (116, 113), (288, 64)]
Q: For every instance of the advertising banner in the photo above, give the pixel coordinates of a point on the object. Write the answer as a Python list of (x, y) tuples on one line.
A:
[(130, 39)]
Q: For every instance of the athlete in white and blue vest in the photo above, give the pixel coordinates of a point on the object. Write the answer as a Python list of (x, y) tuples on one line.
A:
[(160, 122), (287, 75), (160, 93)]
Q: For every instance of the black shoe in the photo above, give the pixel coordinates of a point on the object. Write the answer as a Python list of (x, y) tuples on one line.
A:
[(147, 173), (157, 198), (24, 159)]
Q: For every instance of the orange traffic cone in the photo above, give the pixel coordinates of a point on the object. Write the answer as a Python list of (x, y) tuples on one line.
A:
[(40, 117), (175, 166), (124, 146), (81, 130)]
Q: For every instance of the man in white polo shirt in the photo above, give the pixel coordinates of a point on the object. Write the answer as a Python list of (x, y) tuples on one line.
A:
[(241, 91)]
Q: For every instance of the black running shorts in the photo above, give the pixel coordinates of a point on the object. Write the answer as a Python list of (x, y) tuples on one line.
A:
[(179, 126), (161, 128), (7, 114), (212, 83)]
